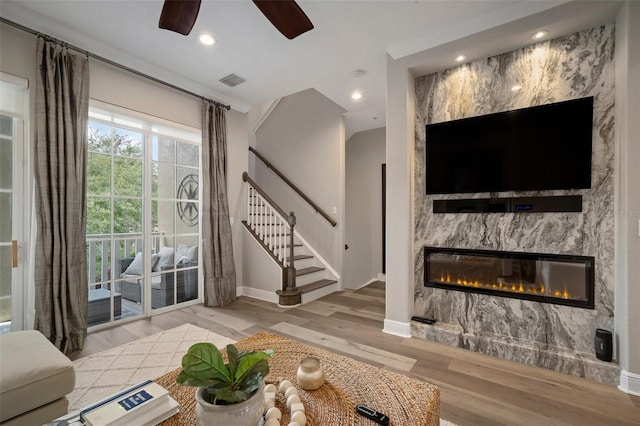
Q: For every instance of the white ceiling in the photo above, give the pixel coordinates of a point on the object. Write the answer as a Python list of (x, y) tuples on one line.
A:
[(348, 36)]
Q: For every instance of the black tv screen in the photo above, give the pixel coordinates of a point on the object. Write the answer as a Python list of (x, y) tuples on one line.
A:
[(531, 149)]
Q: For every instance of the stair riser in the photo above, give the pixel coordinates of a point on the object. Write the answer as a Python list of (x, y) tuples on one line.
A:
[(317, 294), (305, 263), (309, 278)]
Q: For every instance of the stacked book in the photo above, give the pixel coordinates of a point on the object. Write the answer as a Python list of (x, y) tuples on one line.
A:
[(145, 404)]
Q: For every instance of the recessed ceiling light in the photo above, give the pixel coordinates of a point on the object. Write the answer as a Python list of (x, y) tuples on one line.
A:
[(207, 39), (460, 58), (516, 88), (539, 34), (356, 95)]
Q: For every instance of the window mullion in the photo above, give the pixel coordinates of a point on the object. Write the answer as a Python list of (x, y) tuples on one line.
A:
[(112, 192), (146, 221)]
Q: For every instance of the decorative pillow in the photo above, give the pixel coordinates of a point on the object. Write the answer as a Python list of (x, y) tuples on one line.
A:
[(193, 253), (135, 268), (186, 254), (166, 258)]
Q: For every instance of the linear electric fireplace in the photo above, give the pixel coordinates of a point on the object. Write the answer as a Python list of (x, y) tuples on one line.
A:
[(548, 278)]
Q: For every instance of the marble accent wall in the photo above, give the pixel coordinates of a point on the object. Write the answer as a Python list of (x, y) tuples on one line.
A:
[(552, 336)]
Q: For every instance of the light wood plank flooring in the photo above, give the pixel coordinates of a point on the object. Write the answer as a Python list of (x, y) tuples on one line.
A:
[(475, 389)]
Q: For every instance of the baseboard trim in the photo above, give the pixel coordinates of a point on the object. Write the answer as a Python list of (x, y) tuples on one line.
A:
[(372, 280), (629, 382), (256, 293), (397, 328)]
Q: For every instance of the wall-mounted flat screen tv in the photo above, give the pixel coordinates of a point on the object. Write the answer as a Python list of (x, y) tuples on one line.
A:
[(539, 148)]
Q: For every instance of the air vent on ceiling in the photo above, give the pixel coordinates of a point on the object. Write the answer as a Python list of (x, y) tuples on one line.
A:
[(232, 80)]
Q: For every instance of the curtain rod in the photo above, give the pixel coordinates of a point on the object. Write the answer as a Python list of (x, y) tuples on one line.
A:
[(110, 62)]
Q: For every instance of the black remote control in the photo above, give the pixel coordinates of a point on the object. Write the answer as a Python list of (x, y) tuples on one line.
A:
[(372, 414)]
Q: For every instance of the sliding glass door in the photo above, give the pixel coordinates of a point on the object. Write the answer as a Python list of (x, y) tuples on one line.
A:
[(142, 215), (176, 217), (115, 174), (14, 199)]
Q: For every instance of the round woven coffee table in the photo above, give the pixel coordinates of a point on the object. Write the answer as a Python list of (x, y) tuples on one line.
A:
[(348, 382)]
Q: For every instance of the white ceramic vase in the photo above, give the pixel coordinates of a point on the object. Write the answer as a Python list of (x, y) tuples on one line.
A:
[(246, 413)]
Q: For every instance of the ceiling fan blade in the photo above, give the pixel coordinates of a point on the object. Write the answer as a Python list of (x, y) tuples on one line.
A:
[(179, 15), (286, 16)]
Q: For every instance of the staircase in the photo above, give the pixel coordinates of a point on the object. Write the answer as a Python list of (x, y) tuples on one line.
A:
[(306, 276)]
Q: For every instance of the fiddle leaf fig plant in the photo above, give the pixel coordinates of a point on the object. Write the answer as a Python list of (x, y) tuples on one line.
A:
[(224, 383)]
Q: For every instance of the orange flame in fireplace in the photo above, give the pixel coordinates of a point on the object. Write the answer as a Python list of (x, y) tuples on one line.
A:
[(520, 287)]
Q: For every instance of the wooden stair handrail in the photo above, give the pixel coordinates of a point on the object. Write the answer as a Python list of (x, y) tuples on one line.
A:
[(276, 207), (289, 295), (295, 188)]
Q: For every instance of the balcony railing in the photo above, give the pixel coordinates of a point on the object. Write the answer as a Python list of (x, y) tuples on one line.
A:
[(99, 254)]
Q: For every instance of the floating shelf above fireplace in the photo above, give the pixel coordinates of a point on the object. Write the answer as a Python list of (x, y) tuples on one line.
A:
[(547, 278)]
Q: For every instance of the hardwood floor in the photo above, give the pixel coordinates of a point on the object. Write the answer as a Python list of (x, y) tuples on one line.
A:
[(475, 389)]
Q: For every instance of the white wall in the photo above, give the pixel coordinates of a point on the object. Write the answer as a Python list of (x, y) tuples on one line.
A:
[(118, 87), (262, 275), (365, 154), (627, 302), (18, 54), (399, 152), (304, 138)]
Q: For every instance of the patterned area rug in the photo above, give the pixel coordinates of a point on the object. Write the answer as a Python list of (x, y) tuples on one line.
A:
[(114, 370)]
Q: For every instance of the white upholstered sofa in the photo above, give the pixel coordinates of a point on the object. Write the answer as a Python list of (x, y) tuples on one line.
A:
[(35, 378)]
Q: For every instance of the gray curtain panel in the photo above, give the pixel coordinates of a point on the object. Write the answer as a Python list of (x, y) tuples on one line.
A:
[(217, 248), (60, 161)]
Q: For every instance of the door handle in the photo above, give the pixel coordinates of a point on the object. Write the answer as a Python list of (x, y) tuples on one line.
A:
[(14, 252)]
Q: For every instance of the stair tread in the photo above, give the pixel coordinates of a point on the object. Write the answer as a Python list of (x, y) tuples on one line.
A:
[(315, 285), (309, 270), (301, 257)]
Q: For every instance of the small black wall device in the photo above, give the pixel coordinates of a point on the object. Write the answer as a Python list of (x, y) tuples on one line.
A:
[(604, 345)]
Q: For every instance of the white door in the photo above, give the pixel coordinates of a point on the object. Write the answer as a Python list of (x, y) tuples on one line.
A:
[(14, 202)]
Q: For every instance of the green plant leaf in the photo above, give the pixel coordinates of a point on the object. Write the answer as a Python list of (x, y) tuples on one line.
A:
[(250, 364), (232, 354), (242, 354), (236, 381), (186, 380), (203, 364), (252, 382)]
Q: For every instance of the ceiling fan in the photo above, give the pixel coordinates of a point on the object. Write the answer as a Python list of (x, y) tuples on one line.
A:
[(285, 15)]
